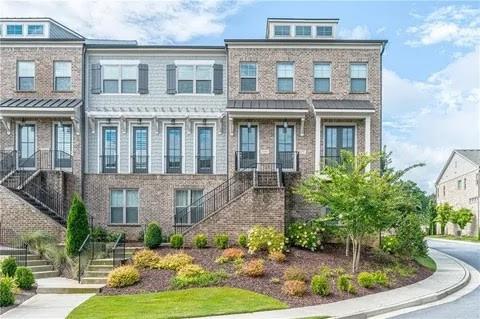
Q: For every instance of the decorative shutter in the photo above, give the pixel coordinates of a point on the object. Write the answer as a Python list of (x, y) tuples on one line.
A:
[(143, 78), (96, 78), (171, 79), (218, 78)]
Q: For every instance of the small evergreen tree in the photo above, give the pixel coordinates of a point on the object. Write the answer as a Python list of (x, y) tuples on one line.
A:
[(153, 236), (77, 226)]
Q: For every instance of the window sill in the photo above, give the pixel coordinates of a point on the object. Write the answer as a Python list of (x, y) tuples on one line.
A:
[(124, 225), (359, 92), (66, 91), (322, 92), (120, 94), (293, 92), (249, 92), (196, 94), (25, 91)]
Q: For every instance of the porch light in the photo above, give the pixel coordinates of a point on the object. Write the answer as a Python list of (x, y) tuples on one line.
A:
[(109, 120), (285, 125), (249, 125), (172, 121), (140, 120)]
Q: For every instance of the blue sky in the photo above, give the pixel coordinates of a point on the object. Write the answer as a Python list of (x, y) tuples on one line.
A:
[(431, 65)]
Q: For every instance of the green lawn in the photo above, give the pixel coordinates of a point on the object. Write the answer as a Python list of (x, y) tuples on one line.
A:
[(426, 262), (462, 238), (176, 304)]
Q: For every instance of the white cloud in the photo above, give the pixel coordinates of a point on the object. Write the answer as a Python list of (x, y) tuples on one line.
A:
[(146, 21), (360, 32), (459, 25), (425, 121)]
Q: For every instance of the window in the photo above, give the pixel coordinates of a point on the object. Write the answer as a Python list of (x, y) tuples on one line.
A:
[(281, 30), (285, 77), (26, 76), (129, 78), (26, 145), (140, 150), (203, 79), (205, 150), (109, 149), (111, 74), (185, 79), (322, 73), (443, 190), (188, 198), (124, 206), (464, 183), (174, 150), (63, 75), (324, 31), (35, 29), (120, 78), (247, 155), (14, 29), (337, 139), (358, 78), (248, 77), (303, 31), (285, 146), (459, 184), (194, 79), (63, 145)]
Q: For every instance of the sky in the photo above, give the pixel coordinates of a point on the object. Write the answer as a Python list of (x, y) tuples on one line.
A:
[(431, 66)]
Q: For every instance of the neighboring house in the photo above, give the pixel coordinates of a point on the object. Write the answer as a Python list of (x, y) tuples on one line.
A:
[(459, 185), (41, 78)]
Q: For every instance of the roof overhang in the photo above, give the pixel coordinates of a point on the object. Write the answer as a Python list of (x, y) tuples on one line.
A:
[(37, 112), (266, 113)]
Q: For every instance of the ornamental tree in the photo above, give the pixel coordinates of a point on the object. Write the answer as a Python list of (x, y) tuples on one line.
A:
[(461, 217), (444, 211)]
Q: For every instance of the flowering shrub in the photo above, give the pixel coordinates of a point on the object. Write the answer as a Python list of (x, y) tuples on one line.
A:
[(123, 276), (294, 288), (390, 244), (265, 238), (190, 270), (294, 273), (145, 259), (254, 268), (277, 256), (310, 234), (174, 261)]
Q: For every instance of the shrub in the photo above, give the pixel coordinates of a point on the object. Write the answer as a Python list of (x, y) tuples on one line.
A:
[(145, 259), (366, 279), (174, 261), (77, 226), (24, 277), (99, 233), (176, 241), (254, 268), (390, 244), (201, 241), (113, 236), (345, 284), (221, 241), (123, 276), (294, 273), (9, 266), (277, 256), (243, 240), (201, 280), (310, 234), (410, 237), (265, 238), (381, 278), (190, 270), (230, 254), (61, 260), (320, 285), (7, 288), (38, 241), (153, 236), (461, 217), (326, 271), (294, 288)]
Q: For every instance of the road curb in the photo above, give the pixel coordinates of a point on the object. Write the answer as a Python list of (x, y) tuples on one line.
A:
[(453, 241)]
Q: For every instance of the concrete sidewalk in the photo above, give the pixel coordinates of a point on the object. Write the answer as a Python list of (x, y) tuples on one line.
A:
[(451, 275)]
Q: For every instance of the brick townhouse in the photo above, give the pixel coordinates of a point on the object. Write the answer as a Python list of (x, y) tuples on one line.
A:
[(213, 138)]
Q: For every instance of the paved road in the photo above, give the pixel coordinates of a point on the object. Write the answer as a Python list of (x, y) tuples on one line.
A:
[(468, 306)]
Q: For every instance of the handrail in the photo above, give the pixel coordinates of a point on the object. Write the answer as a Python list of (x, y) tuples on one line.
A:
[(118, 249), (80, 250), (14, 245), (48, 197), (7, 163)]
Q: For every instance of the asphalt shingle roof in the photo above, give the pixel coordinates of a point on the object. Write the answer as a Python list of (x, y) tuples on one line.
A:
[(268, 104), (473, 155), (41, 103)]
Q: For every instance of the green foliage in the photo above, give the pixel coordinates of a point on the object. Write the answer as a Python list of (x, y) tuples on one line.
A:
[(202, 279), (326, 271), (7, 288), (176, 241), (295, 273), (77, 226), (153, 236), (61, 261), (242, 240), (366, 279), (221, 241), (411, 237), (123, 276), (344, 284), (461, 217), (309, 234), (390, 244), (381, 278), (265, 238), (146, 259), (444, 211), (99, 234), (9, 266), (200, 241), (24, 277), (320, 285), (174, 261), (38, 240)]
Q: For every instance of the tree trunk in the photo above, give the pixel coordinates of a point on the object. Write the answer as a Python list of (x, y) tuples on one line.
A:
[(356, 244), (347, 246), (380, 239)]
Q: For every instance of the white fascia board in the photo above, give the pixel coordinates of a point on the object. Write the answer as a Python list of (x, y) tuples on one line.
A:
[(303, 45), (262, 113), (330, 111), (194, 62), (36, 112), (119, 62), (143, 115)]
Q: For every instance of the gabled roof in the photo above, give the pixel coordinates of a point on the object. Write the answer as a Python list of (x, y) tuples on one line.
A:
[(471, 155)]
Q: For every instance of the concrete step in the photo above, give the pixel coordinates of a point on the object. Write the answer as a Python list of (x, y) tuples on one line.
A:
[(94, 280), (29, 257), (85, 289), (105, 261), (45, 274), (37, 263), (100, 268), (7, 252), (41, 268), (90, 273)]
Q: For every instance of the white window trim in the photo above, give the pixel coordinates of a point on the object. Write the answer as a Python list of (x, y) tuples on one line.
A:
[(17, 127), (293, 77), (330, 78), (100, 126), (282, 25), (189, 202), (24, 24), (54, 142), (119, 63), (165, 126), (333, 124), (124, 207), (302, 36), (350, 77), (257, 124), (55, 77), (17, 87), (148, 125), (248, 77), (325, 36), (213, 125), (294, 142), (14, 35), (195, 77)]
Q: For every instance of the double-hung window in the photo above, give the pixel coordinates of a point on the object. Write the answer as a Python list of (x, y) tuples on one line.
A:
[(203, 79), (324, 31), (285, 77), (322, 73), (194, 79), (14, 29), (185, 79), (26, 75), (303, 31), (120, 78), (358, 77), (111, 75), (281, 30), (62, 75), (124, 206), (129, 78), (248, 77), (35, 29), (188, 206)]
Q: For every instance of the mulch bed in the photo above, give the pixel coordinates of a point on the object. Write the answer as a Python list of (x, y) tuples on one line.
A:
[(332, 256)]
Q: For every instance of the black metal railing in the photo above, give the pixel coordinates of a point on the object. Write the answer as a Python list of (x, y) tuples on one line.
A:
[(109, 163), (139, 163), (268, 174), (204, 164), (7, 163), (45, 159), (118, 251), (11, 244), (245, 160), (288, 160), (329, 161), (85, 254), (173, 164)]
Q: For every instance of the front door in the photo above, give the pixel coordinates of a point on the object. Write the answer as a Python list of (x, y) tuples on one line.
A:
[(248, 146), (140, 150), (26, 146), (338, 138), (63, 146), (285, 153)]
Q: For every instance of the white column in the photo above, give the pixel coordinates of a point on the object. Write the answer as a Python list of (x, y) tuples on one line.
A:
[(318, 136)]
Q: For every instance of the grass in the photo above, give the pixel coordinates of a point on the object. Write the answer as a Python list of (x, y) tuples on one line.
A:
[(187, 303), (426, 262), (461, 238)]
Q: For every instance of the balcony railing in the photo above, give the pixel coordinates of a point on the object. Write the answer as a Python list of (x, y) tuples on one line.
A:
[(173, 164), (329, 161), (45, 159), (288, 160), (245, 160), (139, 163), (204, 164), (109, 163)]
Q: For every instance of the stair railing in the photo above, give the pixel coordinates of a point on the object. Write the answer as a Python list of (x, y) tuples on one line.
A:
[(7, 163), (85, 254), (11, 244), (118, 251)]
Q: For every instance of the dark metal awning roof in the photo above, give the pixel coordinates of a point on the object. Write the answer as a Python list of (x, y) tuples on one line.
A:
[(343, 105), (40, 103), (268, 104)]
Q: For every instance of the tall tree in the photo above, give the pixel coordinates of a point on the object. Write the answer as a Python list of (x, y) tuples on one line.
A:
[(77, 226), (444, 212)]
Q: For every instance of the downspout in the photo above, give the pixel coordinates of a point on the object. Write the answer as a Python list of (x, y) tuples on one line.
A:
[(227, 125), (381, 94), (82, 119)]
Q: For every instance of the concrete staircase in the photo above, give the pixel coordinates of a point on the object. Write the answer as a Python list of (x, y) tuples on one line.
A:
[(40, 267)]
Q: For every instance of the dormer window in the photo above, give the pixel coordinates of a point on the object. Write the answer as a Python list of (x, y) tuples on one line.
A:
[(282, 30), (303, 31), (35, 29), (14, 29), (324, 31)]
